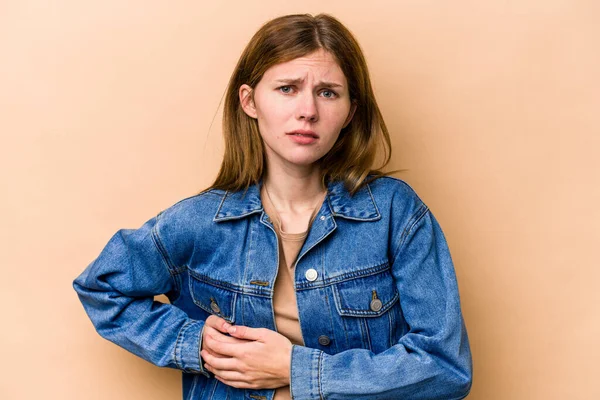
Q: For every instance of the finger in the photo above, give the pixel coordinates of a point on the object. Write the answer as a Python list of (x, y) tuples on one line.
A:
[(228, 375), (217, 323), (208, 331), (216, 333), (247, 333), (208, 346), (237, 384), (226, 349), (220, 336), (221, 363), (212, 353)]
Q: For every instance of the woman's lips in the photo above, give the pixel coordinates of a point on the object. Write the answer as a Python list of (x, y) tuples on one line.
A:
[(303, 136)]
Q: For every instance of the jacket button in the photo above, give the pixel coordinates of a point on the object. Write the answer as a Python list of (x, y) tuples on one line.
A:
[(311, 274), (214, 306), (376, 305), (324, 340)]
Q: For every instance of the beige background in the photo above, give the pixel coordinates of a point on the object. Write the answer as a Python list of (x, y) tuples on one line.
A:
[(105, 119)]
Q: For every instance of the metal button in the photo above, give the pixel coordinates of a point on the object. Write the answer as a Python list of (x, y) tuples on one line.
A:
[(324, 340), (376, 305), (322, 218), (311, 274), (214, 306)]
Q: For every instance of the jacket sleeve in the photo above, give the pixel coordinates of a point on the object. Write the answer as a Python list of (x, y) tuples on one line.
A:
[(117, 291), (431, 361)]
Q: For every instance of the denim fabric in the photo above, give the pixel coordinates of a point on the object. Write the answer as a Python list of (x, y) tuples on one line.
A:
[(385, 294)]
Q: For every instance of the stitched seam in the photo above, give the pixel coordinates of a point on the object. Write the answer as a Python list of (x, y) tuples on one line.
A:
[(257, 291), (367, 334), (194, 385), (200, 361), (330, 316), (173, 270), (216, 218), (162, 250), (215, 282), (248, 256), (291, 373), (320, 375), (414, 220), (212, 395), (345, 322), (373, 200), (391, 328), (178, 345), (220, 205), (377, 218), (363, 313), (234, 217), (366, 219), (316, 242), (346, 276), (209, 310)]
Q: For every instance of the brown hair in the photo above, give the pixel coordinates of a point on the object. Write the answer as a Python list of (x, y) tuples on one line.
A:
[(283, 39)]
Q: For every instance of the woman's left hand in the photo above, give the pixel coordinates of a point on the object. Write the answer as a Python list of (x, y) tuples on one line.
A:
[(263, 362)]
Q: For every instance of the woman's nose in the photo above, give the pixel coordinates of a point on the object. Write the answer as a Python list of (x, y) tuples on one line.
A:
[(307, 107)]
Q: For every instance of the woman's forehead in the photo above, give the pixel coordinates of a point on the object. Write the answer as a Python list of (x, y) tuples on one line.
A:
[(319, 65)]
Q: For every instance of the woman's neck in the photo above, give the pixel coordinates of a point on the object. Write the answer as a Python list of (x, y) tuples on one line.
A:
[(295, 193)]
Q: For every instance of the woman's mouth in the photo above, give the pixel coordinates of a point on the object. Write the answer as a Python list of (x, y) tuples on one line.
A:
[(305, 133), (303, 137)]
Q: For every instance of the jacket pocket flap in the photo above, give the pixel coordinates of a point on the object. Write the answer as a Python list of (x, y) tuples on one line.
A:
[(213, 298), (369, 296)]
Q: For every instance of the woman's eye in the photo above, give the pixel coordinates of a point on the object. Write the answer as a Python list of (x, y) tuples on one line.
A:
[(328, 94), (285, 89)]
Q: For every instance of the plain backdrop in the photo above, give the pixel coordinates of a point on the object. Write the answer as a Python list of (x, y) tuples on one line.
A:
[(110, 112)]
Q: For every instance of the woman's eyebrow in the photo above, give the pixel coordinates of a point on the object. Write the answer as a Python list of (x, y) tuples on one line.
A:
[(295, 81)]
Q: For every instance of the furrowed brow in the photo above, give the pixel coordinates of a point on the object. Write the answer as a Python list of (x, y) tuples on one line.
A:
[(296, 81)]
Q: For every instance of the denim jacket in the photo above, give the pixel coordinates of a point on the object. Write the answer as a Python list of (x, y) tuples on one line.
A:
[(377, 295)]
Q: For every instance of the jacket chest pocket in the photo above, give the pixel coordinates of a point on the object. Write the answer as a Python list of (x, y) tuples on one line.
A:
[(369, 310), (213, 297)]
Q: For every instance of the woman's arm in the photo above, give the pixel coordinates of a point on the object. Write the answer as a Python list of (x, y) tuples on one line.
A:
[(117, 291), (432, 361)]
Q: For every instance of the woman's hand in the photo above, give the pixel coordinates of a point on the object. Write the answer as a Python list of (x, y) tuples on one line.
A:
[(253, 358), (217, 328)]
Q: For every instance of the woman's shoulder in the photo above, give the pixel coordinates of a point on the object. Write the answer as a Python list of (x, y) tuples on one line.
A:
[(390, 190), (192, 208)]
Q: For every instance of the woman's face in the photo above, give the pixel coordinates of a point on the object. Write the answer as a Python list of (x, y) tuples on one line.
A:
[(301, 107)]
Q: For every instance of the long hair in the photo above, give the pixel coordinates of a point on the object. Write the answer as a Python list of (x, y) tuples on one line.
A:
[(283, 39)]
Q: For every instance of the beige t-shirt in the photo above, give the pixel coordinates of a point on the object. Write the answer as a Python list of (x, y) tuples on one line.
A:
[(285, 307)]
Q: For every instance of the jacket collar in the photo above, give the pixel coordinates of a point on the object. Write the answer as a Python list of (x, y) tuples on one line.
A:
[(361, 206)]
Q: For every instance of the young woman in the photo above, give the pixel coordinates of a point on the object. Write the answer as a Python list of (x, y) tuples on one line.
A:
[(302, 272)]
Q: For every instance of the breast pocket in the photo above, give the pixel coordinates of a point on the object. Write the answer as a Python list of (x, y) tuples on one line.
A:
[(369, 309), (214, 297)]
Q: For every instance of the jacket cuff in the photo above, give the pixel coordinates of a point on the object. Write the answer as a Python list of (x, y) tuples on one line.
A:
[(305, 375), (187, 348)]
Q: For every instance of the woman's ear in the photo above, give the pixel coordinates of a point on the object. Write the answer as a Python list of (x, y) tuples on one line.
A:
[(247, 101), (350, 114)]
